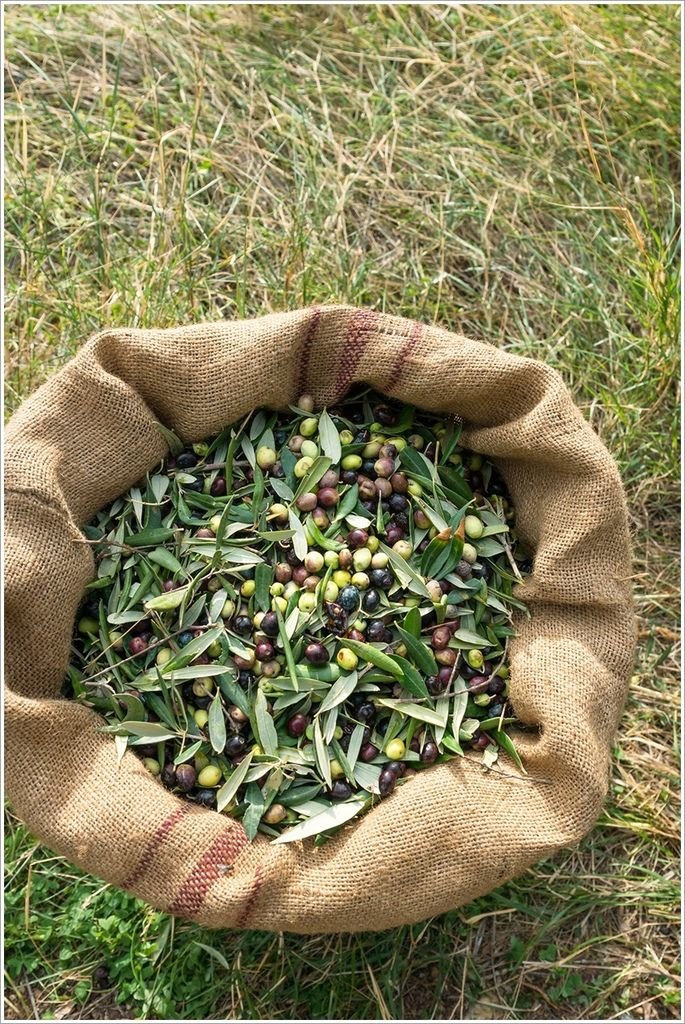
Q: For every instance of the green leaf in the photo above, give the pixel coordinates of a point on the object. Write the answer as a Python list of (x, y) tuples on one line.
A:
[(411, 680), (263, 576), (159, 485), (233, 783), (506, 743), (321, 753), (320, 466), (332, 817), (189, 752), (300, 545), (467, 636), (413, 710), (287, 649), (338, 692), (253, 815), (145, 537), (150, 730), (196, 647), (137, 502), (412, 622), (320, 540), (375, 657), (234, 693), (166, 602), (408, 576), (217, 724), (419, 652), (174, 443), (164, 557), (264, 725), (281, 488), (329, 438)]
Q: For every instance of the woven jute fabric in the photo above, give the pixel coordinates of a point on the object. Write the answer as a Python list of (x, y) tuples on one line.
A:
[(453, 832)]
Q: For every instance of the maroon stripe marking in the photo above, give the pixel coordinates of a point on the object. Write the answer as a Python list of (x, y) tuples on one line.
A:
[(211, 865), (305, 351), (251, 896), (153, 845), (404, 353), (356, 340)]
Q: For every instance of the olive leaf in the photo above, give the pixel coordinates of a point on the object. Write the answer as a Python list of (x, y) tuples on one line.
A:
[(264, 725), (217, 724), (420, 654), (329, 438), (164, 557), (189, 752), (424, 714), (332, 817), (411, 680), (321, 754), (300, 545), (233, 783), (320, 466), (371, 654), (339, 692)]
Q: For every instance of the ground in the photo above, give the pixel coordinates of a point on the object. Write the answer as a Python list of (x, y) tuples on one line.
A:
[(506, 171)]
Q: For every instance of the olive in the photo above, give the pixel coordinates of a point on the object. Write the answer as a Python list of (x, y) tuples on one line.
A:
[(385, 415), (245, 678), (495, 710), (375, 630), (185, 777), (381, 578), (269, 624), (393, 534), (356, 539), (367, 467), (440, 638), (275, 815), (478, 684), (496, 686), (349, 598), (235, 745), (328, 497), (137, 646), (429, 753), (242, 624), (366, 712), (349, 476), (169, 776), (386, 782), (186, 460), (398, 767), (297, 724), (264, 651), (205, 797), (436, 685), (399, 483), (340, 790), (194, 485), (316, 654), (368, 752), (371, 600), (397, 502)]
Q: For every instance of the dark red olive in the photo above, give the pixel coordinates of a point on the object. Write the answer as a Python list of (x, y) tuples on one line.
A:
[(269, 624), (297, 724), (356, 539), (168, 585), (137, 645), (367, 489), (386, 781), (218, 488), (168, 775), (478, 684), (393, 534), (316, 654), (185, 777), (264, 651), (398, 767), (204, 534), (368, 752), (445, 675), (340, 790), (327, 497), (429, 753), (480, 740), (399, 483), (435, 685), (366, 712), (205, 797), (441, 638)]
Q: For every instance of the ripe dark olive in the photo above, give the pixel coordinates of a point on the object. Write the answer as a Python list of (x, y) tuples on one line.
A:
[(385, 415), (371, 600), (478, 684), (243, 624), (362, 436), (327, 497), (195, 485), (495, 710), (368, 752), (398, 767), (245, 678), (480, 740), (205, 797), (367, 467), (168, 776), (292, 560), (349, 598), (137, 645), (386, 782), (429, 753), (397, 502), (445, 675), (399, 483), (435, 685), (440, 638), (392, 535), (349, 476), (375, 631), (269, 624), (297, 724), (235, 745), (496, 686), (366, 712), (356, 539), (186, 460), (185, 777), (316, 654), (381, 578), (264, 651), (340, 790)]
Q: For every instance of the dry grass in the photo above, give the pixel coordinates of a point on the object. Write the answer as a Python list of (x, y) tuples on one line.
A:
[(507, 171)]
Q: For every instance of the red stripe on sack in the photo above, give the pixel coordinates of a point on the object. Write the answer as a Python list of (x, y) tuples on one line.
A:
[(355, 342), (251, 896), (213, 863), (404, 353), (153, 845), (305, 351)]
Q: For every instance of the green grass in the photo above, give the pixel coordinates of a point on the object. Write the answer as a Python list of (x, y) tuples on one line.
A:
[(510, 172)]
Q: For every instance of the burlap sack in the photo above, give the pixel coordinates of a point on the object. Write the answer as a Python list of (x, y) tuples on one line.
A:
[(454, 832)]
